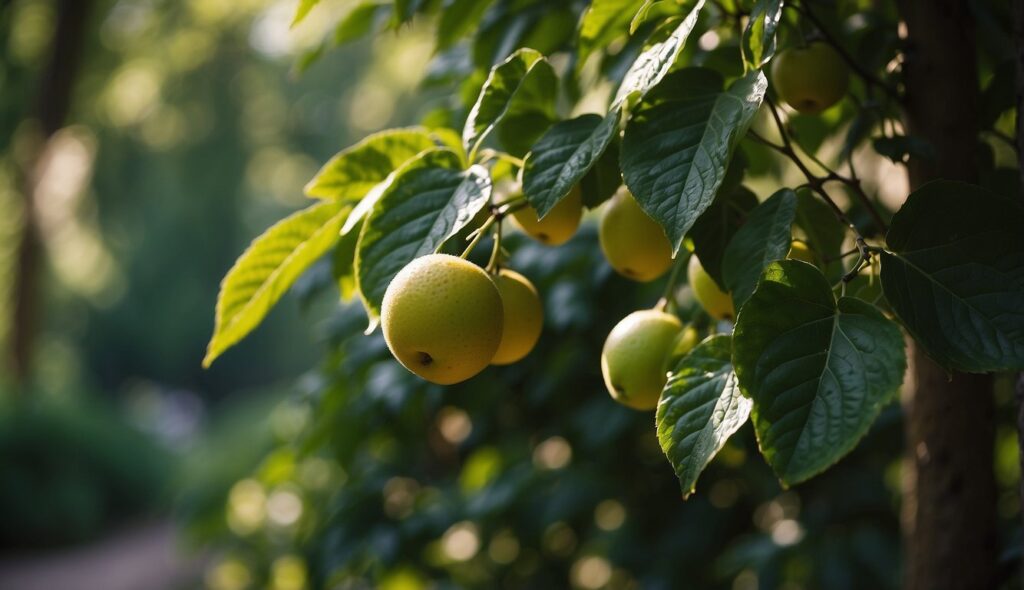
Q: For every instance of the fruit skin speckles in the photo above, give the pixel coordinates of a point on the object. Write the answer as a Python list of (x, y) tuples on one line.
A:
[(634, 361), (810, 79), (442, 318), (558, 225), (633, 243)]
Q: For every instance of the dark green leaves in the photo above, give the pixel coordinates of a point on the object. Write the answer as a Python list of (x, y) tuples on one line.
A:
[(525, 77), (655, 62), (430, 199), (955, 275), (678, 144), (759, 37), (265, 271), (714, 229), (818, 370), (765, 237), (354, 171), (563, 156), (700, 408)]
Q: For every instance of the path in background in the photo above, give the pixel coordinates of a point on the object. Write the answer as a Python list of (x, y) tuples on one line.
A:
[(143, 557)]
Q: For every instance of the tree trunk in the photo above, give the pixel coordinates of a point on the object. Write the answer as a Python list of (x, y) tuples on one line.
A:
[(51, 108), (949, 486)]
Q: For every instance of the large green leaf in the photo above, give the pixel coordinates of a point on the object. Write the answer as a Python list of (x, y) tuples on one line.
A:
[(678, 144), (700, 408), (714, 229), (656, 61), (954, 274), (602, 23), (524, 76), (819, 371), (759, 37), (764, 238), (265, 271), (561, 158), (357, 169), (430, 199)]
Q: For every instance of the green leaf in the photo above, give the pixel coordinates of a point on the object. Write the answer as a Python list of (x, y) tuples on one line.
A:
[(823, 231), (303, 9), (603, 22), (700, 408), (819, 371), (603, 179), (430, 199), (458, 18), (354, 171), (955, 275), (759, 37), (343, 267), (655, 62), (561, 158), (526, 76), (675, 151), (764, 238), (900, 148), (714, 229), (358, 22), (651, 10), (265, 271)]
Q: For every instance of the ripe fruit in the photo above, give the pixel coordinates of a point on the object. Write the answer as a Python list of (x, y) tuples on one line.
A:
[(558, 225), (442, 318), (716, 302), (524, 317), (800, 251), (633, 243), (634, 361), (810, 79)]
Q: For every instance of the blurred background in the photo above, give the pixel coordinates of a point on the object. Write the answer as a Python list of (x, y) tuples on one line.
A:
[(166, 136)]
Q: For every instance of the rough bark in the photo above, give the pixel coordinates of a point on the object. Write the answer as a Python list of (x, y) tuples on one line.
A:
[(949, 486), (51, 108)]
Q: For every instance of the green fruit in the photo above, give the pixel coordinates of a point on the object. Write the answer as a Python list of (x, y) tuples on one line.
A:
[(800, 251), (634, 361), (810, 79), (558, 225), (633, 243), (716, 302), (524, 317), (442, 318)]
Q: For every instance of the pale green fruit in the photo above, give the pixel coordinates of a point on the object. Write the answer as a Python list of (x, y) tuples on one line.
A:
[(633, 243), (558, 225), (442, 318), (635, 358), (716, 302), (810, 79), (524, 317)]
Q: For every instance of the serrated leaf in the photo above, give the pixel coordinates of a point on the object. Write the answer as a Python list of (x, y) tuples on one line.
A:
[(524, 72), (819, 371), (700, 408), (715, 227), (954, 275), (602, 23), (759, 36), (265, 271), (358, 22), (430, 199), (355, 170), (656, 61), (563, 155), (678, 144), (764, 238), (302, 10)]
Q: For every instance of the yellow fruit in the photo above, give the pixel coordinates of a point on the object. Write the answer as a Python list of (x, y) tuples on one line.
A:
[(687, 339), (800, 251), (442, 318), (524, 317), (810, 79), (558, 225), (634, 361), (633, 243), (717, 303)]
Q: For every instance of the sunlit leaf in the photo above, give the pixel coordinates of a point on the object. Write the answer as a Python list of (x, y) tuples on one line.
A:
[(302, 10), (759, 35), (819, 370), (354, 171), (700, 408), (602, 23), (655, 62), (265, 271)]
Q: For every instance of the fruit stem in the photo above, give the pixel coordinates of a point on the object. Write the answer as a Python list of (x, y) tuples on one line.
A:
[(668, 299), (492, 264), (479, 234)]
